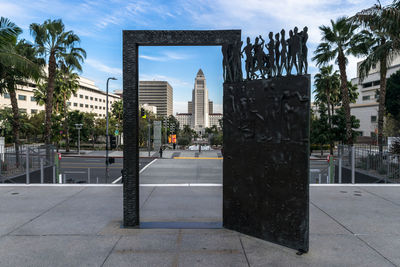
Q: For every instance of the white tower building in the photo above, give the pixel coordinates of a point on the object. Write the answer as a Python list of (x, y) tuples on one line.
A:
[(200, 103)]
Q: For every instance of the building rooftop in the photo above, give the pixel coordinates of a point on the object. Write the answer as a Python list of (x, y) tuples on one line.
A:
[(200, 73)]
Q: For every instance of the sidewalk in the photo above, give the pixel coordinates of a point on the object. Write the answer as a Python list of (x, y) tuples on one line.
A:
[(80, 226)]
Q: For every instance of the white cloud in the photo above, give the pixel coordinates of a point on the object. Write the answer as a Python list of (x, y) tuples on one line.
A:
[(180, 107), (218, 108), (166, 56), (102, 67), (175, 82)]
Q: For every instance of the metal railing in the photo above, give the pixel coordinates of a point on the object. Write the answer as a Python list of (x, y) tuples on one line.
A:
[(27, 163), (367, 165)]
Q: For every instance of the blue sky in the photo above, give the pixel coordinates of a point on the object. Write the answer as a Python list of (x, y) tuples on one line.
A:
[(100, 25)]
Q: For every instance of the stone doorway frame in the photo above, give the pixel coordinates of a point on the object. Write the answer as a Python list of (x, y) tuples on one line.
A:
[(132, 39)]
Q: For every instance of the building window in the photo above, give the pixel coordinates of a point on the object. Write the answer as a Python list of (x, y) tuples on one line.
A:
[(80, 96), (33, 99), (22, 97), (22, 110), (91, 106), (95, 107), (75, 104), (91, 98), (373, 118), (33, 111), (104, 108), (104, 101), (360, 133), (95, 99), (366, 97), (68, 103), (81, 105), (6, 95), (86, 97), (86, 105)]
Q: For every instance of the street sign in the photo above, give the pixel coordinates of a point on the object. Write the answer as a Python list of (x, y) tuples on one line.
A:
[(116, 132)]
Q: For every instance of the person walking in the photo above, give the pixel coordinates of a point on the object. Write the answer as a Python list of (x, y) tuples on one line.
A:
[(161, 151)]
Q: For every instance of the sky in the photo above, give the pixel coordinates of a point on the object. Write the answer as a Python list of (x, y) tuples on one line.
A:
[(99, 24)]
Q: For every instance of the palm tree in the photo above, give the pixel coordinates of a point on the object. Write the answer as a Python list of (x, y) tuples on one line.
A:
[(338, 41), (327, 86), (18, 62), (384, 24), (68, 85), (54, 43)]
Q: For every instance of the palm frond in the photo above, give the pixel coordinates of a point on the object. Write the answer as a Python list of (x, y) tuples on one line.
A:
[(8, 31)]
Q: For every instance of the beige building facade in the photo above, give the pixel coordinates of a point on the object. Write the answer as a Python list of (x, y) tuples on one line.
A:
[(366, 107), (89, 98)]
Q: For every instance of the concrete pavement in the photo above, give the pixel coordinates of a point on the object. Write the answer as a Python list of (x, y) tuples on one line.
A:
[(80, 225)]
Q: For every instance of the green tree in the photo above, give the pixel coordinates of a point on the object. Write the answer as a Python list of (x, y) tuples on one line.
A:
[(55, 43), (339, 130), (320, 131), (338, 41), (327, 90), (383, 23), (18, 62), (392, 101), (117, 111)]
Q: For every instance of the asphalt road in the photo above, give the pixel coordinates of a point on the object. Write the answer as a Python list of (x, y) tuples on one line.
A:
[(93, 170)]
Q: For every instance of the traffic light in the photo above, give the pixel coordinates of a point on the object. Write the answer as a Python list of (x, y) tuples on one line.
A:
[(113, 142), (142, 113)]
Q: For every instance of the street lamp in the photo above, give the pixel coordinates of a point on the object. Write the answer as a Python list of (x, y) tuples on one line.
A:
[(78, 126), (107, 140)]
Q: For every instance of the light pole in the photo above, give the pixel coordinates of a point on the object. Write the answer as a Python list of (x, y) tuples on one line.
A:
[(107, 140), (78, 126)]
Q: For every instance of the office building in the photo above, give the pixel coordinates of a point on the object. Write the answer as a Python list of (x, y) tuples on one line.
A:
[(88, 98), (158, 94), (366, 107)]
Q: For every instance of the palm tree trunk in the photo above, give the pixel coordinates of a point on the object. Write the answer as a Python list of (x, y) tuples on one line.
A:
[(49, 97), (328, 98), (382, 99), (65, 125), (15, 124), (345, 96)]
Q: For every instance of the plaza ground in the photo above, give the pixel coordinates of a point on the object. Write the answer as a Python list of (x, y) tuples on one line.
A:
[(80, 225)]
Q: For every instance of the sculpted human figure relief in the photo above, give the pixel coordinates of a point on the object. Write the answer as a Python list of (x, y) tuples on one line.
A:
[(284, 60), (249, 59), (225, 64), (277, 55), (297, 49), (282, 55), (236, 62), (270, 47), (304, 51), (259, 55)]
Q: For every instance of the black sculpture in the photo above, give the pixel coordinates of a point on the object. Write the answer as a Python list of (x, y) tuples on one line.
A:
[(271, 61), (232, 65), (282, 55), (249, 59), (304, 51), (266, 134), (284, 62)]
